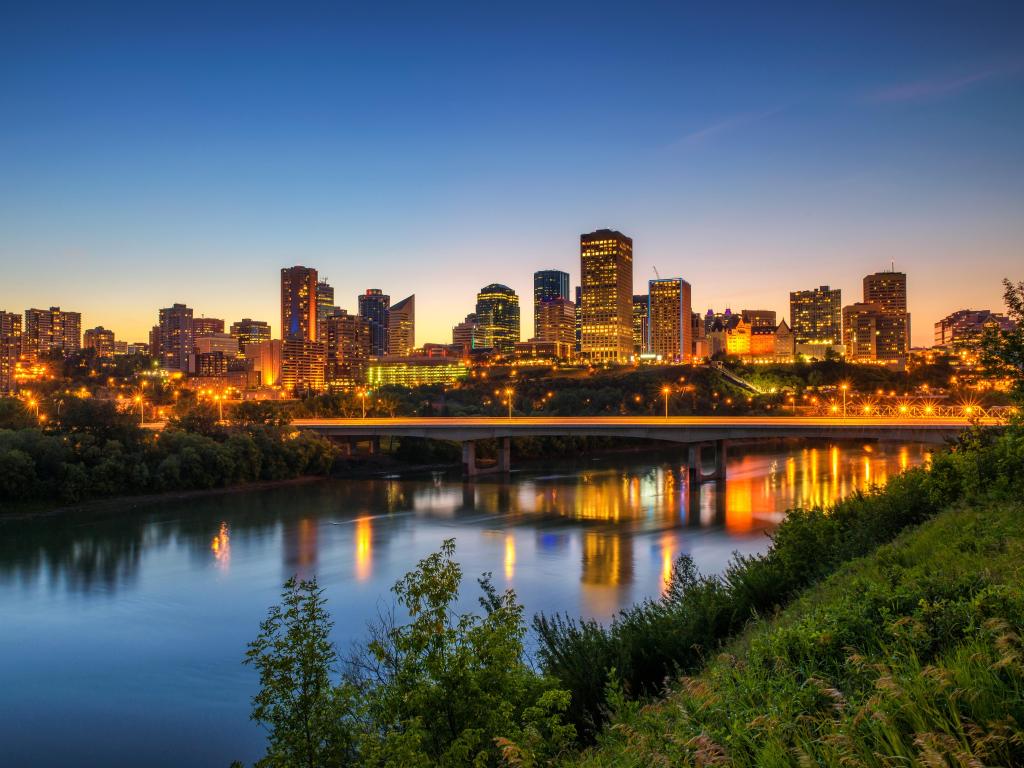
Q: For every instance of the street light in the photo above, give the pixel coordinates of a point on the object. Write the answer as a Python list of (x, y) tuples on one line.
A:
[(362, 399), (508, 393), (844, 387), (142, 410), (666, 391)]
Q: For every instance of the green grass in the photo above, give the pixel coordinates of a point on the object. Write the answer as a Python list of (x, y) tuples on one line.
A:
[(910, 656)]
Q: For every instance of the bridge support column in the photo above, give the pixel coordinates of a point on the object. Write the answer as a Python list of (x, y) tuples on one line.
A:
[(505, 455), (374, 446), (469, 458), (721, 456), (693, 469)]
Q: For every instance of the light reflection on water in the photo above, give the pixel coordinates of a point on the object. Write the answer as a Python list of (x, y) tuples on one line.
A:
[(123, 630)]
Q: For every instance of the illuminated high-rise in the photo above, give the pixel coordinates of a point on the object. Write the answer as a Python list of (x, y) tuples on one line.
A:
[(206, 326), (299, 303), (325, 307), (175, 338), (248, 331), (889, 291), (468, 334), (816, 316), (670, 327), (303, 366), (548, 284), (497, 313), (375, 306), (10, 348), (100, 340), (641, 307), (348, 350), (52, 330), (557, 323), (402, 327), (606, 322)]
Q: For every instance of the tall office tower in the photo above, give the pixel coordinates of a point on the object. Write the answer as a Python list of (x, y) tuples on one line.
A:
[(670, 334), (50, 330), (402, 327), (10, 348), (375, 306), (557, 322), (641, 315), (206, 326), (348, 350), (99, 339), (861, 323), (468, 334), (606, 267), (548, 284), (889, 291), (497, 312), (325, 306), (579, 318), (759, 318), (816, 316), (298, 303), (964, 328), (303, 365), (175, 338), (247, 331)]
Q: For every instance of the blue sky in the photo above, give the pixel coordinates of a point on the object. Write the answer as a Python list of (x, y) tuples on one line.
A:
[(186, 152)]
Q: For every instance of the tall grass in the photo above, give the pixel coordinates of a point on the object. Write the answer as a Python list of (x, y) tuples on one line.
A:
[(913, 656), (658, 640)]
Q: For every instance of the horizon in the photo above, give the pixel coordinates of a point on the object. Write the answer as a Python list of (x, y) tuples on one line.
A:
[(188, 155)]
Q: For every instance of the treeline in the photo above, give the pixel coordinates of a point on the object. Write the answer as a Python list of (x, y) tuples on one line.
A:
[(450, 689), (94, 451)]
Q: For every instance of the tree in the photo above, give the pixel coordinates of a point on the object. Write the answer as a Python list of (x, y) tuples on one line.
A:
[(1003, 350), (297, 701)]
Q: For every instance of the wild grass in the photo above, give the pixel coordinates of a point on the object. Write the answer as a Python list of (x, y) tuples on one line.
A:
[(911, 656)]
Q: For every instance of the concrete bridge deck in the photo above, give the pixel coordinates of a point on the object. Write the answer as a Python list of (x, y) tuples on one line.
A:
[(695, 431)]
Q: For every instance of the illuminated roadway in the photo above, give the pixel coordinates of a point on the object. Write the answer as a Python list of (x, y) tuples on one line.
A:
[(679, 429)]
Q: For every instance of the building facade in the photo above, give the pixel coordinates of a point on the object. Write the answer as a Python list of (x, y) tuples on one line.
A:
[(497, 312), (248, 331), (10, 348), (964, 328), (50, 331), (348, 350), (374, 305), (468, 334), (303, 366), (870, 333), (325, 307), (100, 340), (557, 323), (206, 326), (816, 316), (548, 284), (641, 309), (606, 321), (265, 357), (759, 318), (670, 319), (414, 371), (402, 327), (889, 291), (299, 303), (175, 338)]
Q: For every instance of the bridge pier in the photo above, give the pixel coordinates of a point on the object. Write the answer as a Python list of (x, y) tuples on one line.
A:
[(469, 458), (505, 455), (695, 472)]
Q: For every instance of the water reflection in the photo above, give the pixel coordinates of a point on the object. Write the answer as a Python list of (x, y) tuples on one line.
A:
[(168, 593)]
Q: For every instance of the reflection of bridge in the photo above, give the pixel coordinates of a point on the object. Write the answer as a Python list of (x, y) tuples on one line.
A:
[(694, 431)]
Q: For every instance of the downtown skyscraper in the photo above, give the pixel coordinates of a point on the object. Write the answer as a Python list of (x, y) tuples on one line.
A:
[(497, 313), (299, 303), (402, 327), (375, 305), (670, 321), (889, 291), (606, 312), (816, 316), (548, 284)]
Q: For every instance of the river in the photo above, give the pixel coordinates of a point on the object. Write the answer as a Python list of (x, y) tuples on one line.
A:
[(122, 631)]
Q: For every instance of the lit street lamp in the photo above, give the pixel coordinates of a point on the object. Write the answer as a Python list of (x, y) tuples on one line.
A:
[(844, 387), (508, 393), (362, 399), (666, 391), (142, 410)]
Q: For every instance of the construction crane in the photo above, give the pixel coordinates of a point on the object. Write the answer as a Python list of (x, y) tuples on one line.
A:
[(656, 272)]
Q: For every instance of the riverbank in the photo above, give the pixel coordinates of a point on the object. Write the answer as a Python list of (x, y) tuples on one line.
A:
[(911, 654)]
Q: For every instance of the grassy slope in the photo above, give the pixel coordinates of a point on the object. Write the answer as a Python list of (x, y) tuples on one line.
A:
[(908, 657)]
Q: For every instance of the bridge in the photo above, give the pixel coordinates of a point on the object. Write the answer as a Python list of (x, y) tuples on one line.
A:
[(697, 432)]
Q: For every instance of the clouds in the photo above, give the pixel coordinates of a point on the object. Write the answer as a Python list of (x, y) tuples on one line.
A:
[(942, 87), (712, 130)]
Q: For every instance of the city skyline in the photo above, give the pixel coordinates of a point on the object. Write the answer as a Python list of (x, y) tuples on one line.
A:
[(123, 168)]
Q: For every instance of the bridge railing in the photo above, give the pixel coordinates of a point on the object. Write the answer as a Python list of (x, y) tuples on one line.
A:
[(915, 410)]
